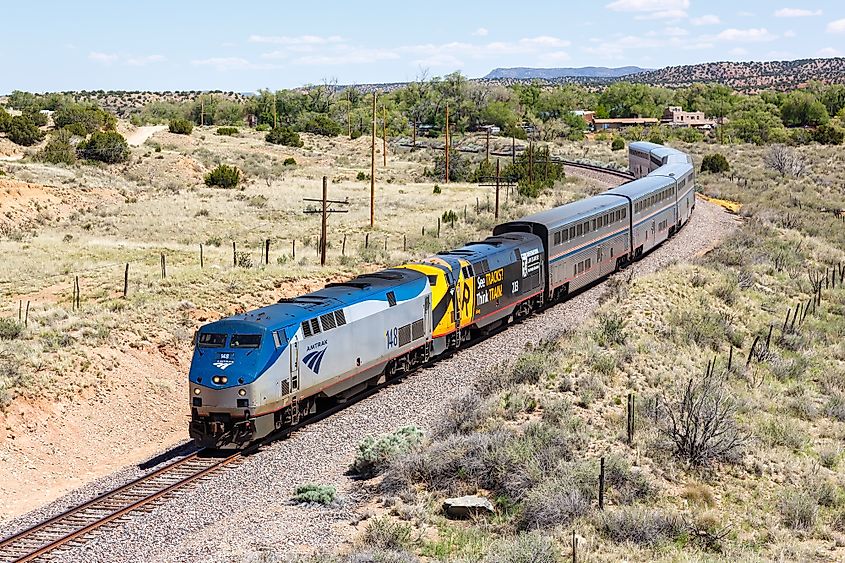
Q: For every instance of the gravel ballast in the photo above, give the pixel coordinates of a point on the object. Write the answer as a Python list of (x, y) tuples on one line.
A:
[(246, 508)]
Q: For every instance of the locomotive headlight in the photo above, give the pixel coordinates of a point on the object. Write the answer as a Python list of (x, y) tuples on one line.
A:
[(216, 379), (224, 379), (242, 392), (197, 391)]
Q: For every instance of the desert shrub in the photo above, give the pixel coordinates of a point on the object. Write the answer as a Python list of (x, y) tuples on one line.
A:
[(104, 146), (461, 415), (701, 422), (618, 144), (36, 117), (227, 131), (59, 149), (22, 131), (289, 161), (83, 119), (835, 407), (284, 136), (641, 526), (715, 163), (449, 216), (553, 503), (361, 176), (180, 126), (459, 167), (784, 161), (374, 454), (610, 329), (320, 494), (524, 548), (262, 127), (322, 124), (384, 533), (829, 134), (213, 240), (5, 119), (689, 134), (830, 456), (528, 368), (243, 260), (699, 494), (437, 189), (775, 432), (224, 176), (10, 329), (798, 509)]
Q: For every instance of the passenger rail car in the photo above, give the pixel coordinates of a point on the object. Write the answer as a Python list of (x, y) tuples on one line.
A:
[(264, 370)]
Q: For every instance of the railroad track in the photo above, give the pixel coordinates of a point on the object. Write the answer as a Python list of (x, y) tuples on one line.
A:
[(72, 526)]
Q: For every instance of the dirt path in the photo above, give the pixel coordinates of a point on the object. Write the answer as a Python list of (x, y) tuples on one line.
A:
[(141, 134)]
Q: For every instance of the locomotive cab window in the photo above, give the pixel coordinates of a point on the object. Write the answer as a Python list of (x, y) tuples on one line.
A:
[(391, 298), (246, 341), (211, 340)]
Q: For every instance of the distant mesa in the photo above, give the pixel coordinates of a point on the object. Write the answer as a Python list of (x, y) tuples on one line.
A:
[(526, 73)]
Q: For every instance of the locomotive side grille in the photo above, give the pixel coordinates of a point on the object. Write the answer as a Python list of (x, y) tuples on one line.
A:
[(328, 321), (404, 335), (285, 387), (315, 326), (306, 329), (340, 317), (417, 330)]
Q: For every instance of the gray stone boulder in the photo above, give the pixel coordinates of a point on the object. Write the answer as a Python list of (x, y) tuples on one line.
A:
[(465, 507)]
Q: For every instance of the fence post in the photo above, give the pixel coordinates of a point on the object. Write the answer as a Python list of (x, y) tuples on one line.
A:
[(385, 244), (267, 252), (234, 254), (601, 485), (343, 246), (769, 337), (751, 352), (163, 266), (404, 243), (26, 316), (731, 358), (438, 227), (202, 265), (78, 296), (126, 281), (630, 419), (367, 240), (20, 310), (293, 249), (574, 547)]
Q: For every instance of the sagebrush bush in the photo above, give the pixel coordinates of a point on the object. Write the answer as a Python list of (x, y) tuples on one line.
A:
[(10, 329), (224, 176), (798, 509), (716, 163), (642, 526), (284, 136), (289, 161), (374, 454), (180, 126), (610, 329), (227, 131), (385, 533), (320, 494), (524, 548)]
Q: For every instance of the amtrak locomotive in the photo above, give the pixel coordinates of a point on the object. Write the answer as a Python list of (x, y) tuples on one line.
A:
[(266, 369)]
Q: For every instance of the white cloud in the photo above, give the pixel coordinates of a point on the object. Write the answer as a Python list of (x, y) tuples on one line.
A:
[(829, 52), (753, 35), (481, 32), (145, 60), (297, 40), (554, 57), (105, 58), (709, 19), (738, 52), (796, 13), (745, 14), (663, 15), (675, 32), (447, 54), (789, 33), (837, 26)]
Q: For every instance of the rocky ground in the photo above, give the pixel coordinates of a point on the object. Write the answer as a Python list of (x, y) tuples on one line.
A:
[(246, 509)]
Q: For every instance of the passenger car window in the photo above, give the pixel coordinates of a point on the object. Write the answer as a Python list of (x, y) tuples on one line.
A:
[(211, 340), (246, 341)]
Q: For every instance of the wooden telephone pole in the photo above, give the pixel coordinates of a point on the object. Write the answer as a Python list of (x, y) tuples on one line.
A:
[(446, 181), (487, 155), (384, 133), (324, 211), (373, 168)]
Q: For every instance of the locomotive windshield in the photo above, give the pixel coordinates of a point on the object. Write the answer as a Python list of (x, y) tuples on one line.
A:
[(245, 341), (211, 340)]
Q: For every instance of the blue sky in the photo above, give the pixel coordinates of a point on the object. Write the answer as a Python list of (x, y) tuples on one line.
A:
[(243, 46)]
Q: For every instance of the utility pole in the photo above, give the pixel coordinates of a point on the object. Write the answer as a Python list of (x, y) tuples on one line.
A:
[(496, 215), (349, 112), (446, 181), (384, 133), (513, 150), (414, 141), (324, 211), (373, 168), (275, 112)]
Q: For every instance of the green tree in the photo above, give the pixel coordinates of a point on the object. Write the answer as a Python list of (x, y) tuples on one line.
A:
[(829, 135), (284, 136), (800, 109), (716, 163), (105, 146), (59, 149), (22, 131), (755, 121), (180, 126), (80, 117), (618, 144), (322, 124)]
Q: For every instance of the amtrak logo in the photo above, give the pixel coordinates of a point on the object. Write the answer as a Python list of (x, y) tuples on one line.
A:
[(314, 359), (224, 360)]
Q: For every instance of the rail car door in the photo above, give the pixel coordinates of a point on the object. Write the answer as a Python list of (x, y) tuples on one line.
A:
[(292, 383)]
